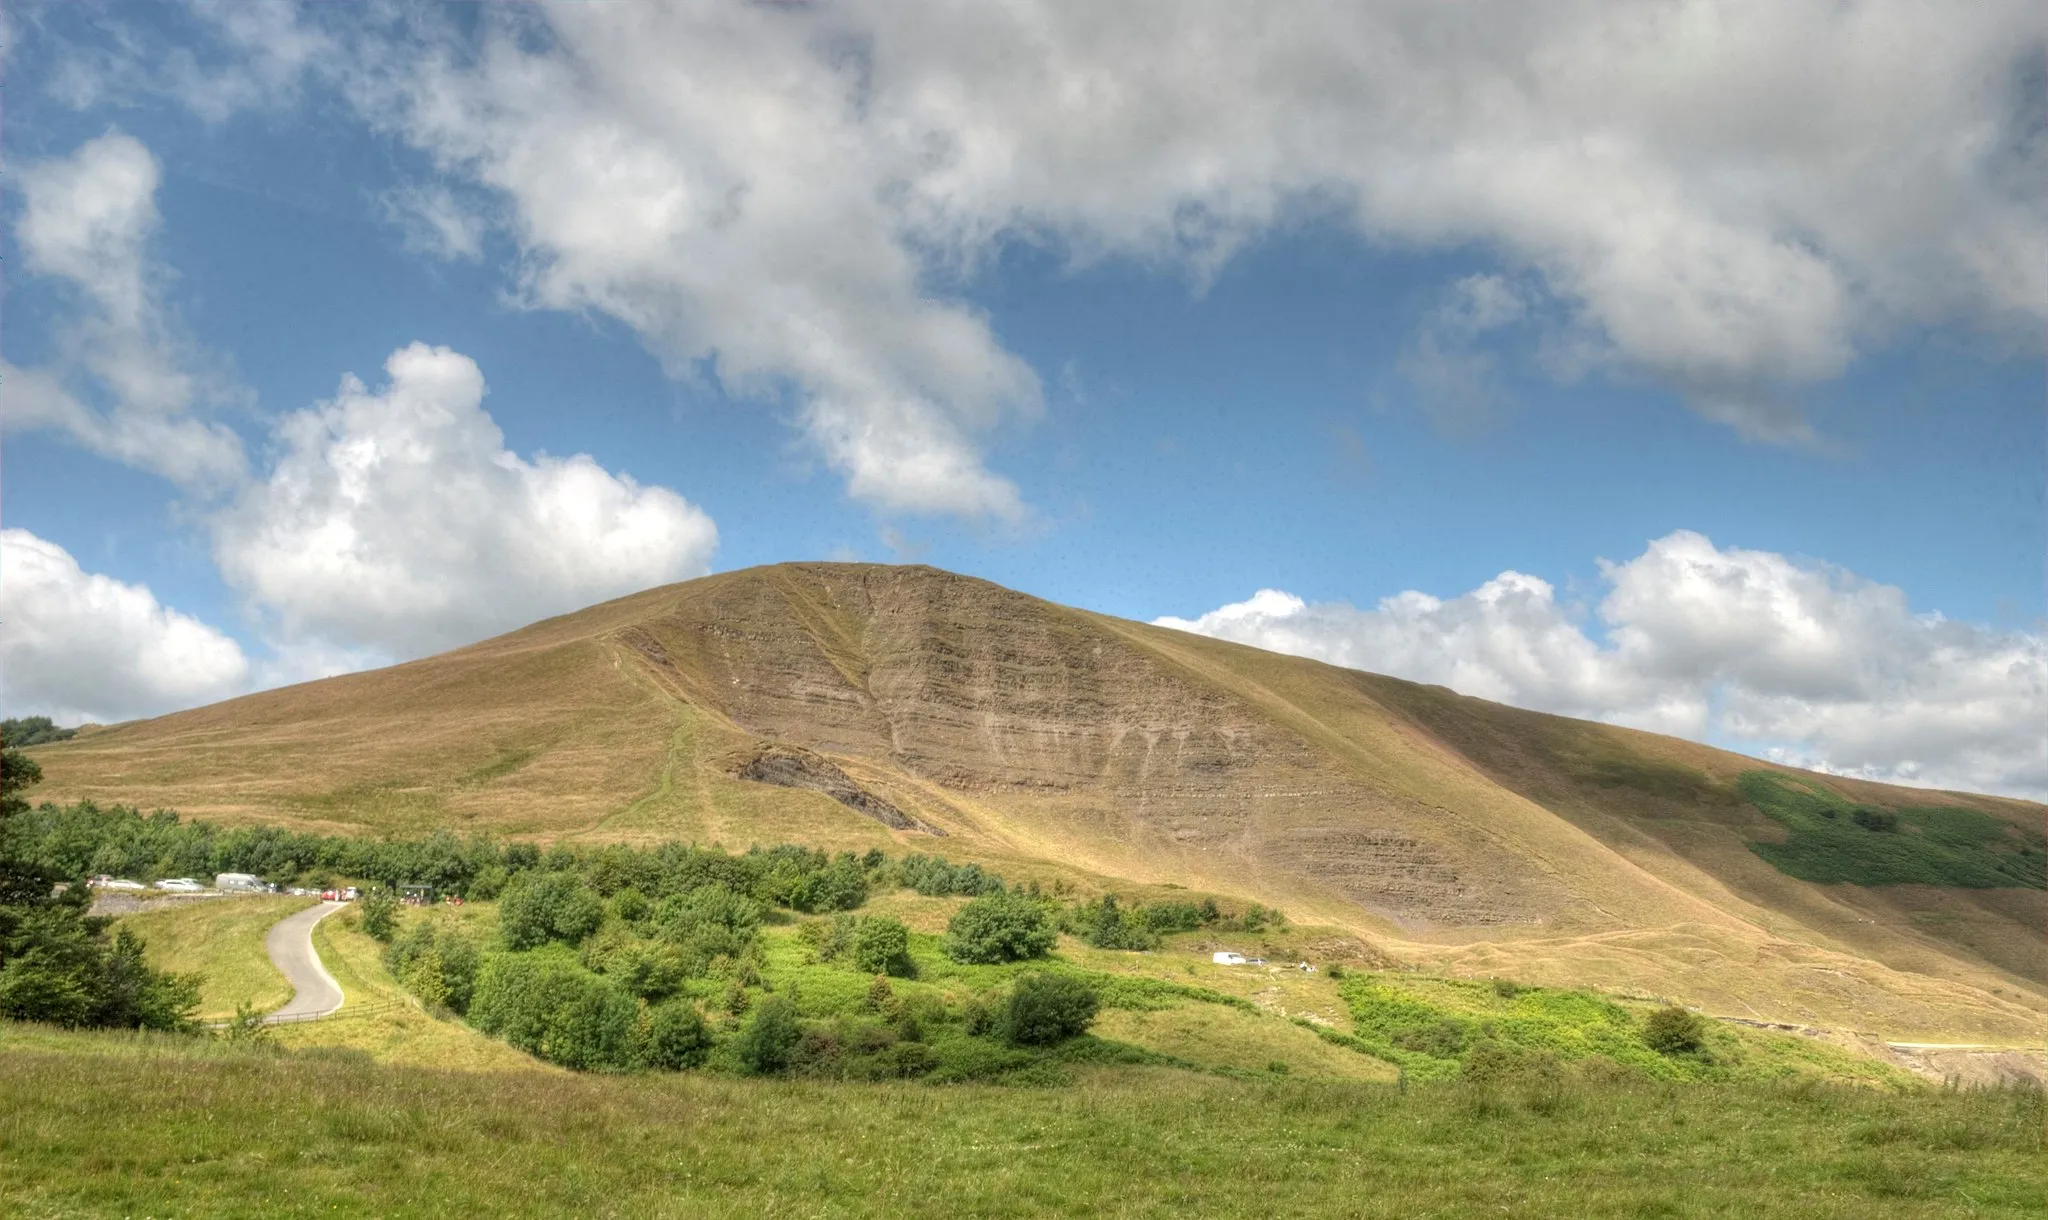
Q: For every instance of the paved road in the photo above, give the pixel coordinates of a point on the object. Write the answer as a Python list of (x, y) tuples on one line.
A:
[(290, 945)]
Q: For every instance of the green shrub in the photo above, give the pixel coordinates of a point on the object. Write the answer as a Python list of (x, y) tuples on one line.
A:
[(547, 1004), (1166, 917), (881, 945), (487, 884), (631, 905), (438, 965), (999, 927), (767, 1041), (541, 907), (380, 916), (1672, 1030), (1047, 1008), (1104, 925), (673, 1036)]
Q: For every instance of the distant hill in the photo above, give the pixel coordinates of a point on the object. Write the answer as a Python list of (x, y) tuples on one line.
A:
[(848, 705)]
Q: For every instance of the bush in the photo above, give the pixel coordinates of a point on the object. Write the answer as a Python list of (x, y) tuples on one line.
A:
[(438, 965), (380, 916), (488, 883), (999, 927), (1672, 1030), (881, 945), (630, 905), (548, 1005), (673, 1037), (1048, 1008), (542, 907), (1103, 925), (769, 1038), (1166, 917)]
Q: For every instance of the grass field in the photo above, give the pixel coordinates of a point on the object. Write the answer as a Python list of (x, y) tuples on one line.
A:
[(127, 1125), (222, 940)]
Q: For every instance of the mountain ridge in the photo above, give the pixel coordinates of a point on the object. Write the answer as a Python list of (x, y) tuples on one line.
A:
[(1046, 740)]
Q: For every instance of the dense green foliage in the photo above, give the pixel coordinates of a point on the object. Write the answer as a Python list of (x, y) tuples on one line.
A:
[(769, 1038), (127, 1125), (881, 945), (1000, 927), (1672, 1030), (85, 839), (1832, 839), (547, 1004), (380, 916), (57, 963), (932, 877), (437, 964), (675, 1037), (32, 731), (539, 907), (1044, 1009)]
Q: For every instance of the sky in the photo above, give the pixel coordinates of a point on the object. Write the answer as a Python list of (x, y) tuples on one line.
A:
[(1676, 364)]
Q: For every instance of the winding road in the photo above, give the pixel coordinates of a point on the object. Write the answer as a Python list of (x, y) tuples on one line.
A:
[(290, 945)]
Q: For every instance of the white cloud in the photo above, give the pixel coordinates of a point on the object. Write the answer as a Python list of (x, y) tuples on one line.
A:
[(1733, 197), (396, 522), (86, 220), (75, 645), (433, 221), (1806, 663)]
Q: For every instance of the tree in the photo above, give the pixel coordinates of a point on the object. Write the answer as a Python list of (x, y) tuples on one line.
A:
[(540, 907), (769, 1038), (1672, 1030), (380, 916), (547, 1004), (57, 963), (674, 1037), (1048, 1008), (33, 731), (881, 945), (999, 927)]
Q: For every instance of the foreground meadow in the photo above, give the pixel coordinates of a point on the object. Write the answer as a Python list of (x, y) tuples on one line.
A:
[(124, 1124)]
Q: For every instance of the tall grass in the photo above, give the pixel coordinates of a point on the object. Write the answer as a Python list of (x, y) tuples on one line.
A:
[(100, 1125)]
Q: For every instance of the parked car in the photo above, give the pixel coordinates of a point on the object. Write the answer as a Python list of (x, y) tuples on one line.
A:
[(181, 885), (351, 894), (104, 882)]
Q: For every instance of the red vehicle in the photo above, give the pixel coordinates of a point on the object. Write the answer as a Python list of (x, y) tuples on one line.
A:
[(327, 896)]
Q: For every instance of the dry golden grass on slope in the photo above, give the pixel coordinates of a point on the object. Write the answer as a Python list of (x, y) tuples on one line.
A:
[(1056, 745)]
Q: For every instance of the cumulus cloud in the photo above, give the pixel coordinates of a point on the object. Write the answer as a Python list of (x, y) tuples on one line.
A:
[(395, 522), (1731, 197), (75, 645), (86, 221), (1806, 663)]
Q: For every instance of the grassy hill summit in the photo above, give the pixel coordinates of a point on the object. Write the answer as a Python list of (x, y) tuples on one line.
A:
[(852, 706)]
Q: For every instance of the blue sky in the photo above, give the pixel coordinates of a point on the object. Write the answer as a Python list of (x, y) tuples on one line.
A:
[(1204, 348)]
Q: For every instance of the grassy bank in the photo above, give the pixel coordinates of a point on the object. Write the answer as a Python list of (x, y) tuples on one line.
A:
[(221, 939), (117, 1125)]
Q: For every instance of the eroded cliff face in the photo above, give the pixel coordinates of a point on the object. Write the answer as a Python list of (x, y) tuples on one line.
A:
[(987, 692)]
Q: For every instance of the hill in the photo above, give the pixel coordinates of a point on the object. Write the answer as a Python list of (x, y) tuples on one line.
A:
[(856, 705)]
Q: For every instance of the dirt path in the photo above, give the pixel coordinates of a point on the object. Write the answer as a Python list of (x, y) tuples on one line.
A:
[(290, 945)]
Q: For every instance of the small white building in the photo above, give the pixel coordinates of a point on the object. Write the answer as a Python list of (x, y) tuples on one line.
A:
[(238, 883), (1227, 958)]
